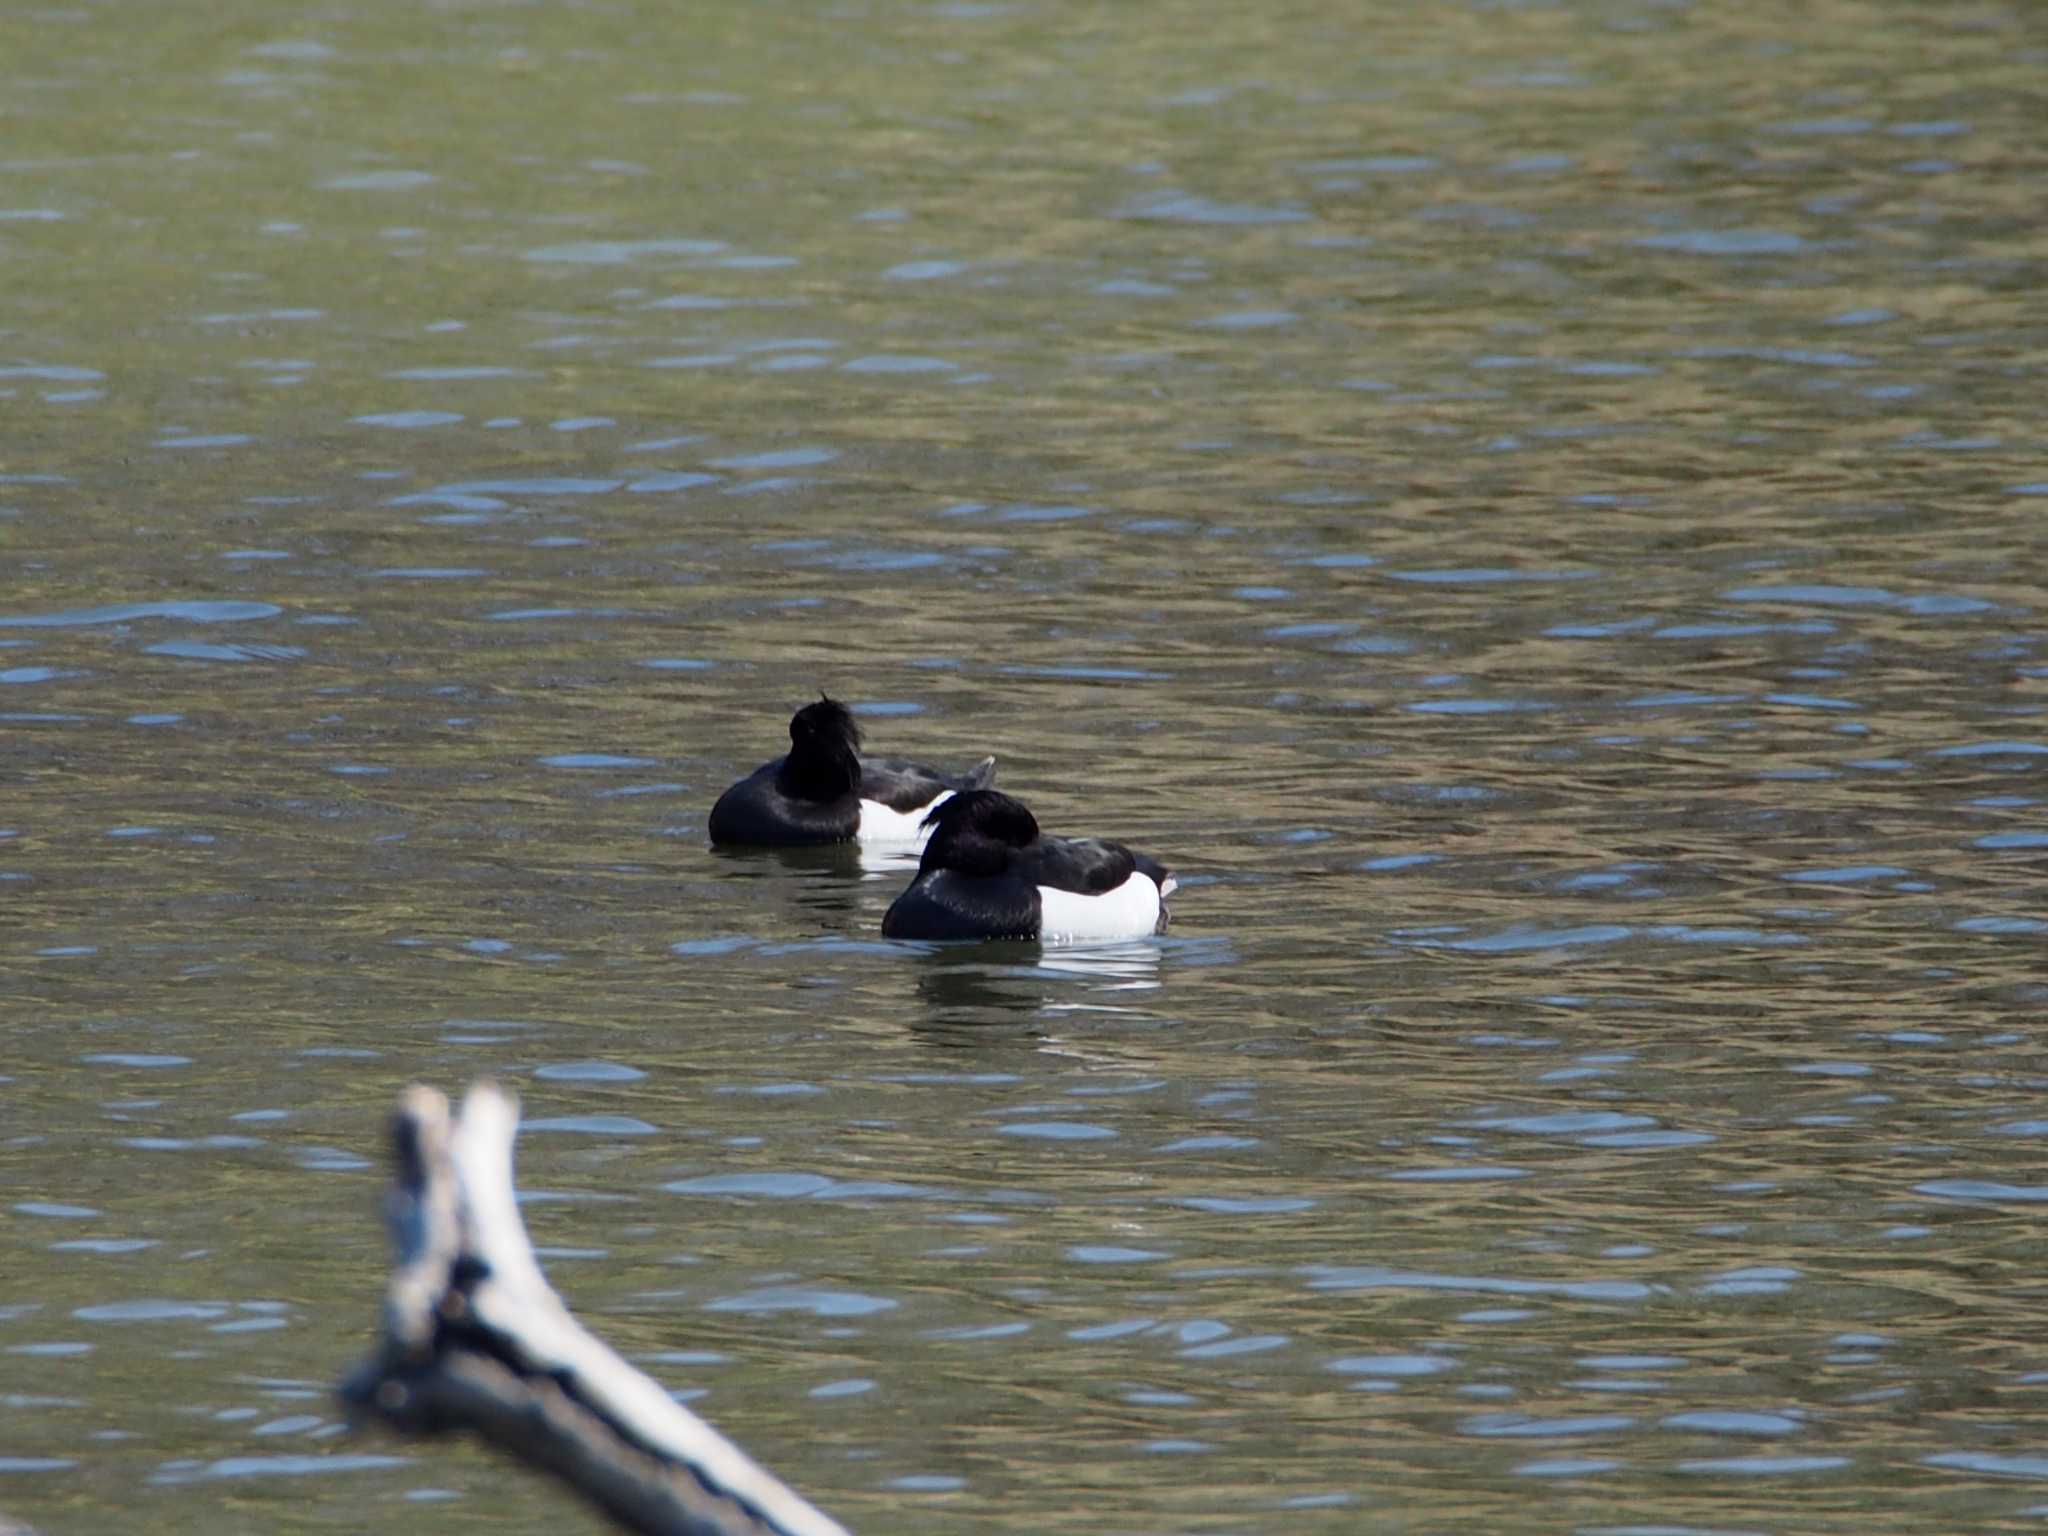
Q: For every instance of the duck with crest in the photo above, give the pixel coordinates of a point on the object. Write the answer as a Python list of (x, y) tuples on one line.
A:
[(988, 873), (824, 791)]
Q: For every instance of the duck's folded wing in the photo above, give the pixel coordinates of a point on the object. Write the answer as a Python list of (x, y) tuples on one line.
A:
[(1089, 866), (905, 786)]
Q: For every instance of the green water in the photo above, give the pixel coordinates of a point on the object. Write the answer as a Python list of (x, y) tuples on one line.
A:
[(1531, 511)]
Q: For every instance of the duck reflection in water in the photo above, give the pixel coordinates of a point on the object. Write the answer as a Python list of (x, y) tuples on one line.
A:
[(1008, 983), (825, 879)]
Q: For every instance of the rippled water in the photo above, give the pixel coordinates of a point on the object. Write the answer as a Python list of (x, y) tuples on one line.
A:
[(1532, 511)]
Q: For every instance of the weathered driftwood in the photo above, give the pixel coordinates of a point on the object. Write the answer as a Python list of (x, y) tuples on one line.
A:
[(475, 1339)]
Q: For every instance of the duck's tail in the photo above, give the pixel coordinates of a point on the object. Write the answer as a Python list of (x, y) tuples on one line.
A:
[(981, 776)]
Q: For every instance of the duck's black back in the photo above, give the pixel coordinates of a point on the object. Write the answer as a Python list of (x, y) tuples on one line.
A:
[(906, 786), (945, 905), (1088, 866), (758, 813)]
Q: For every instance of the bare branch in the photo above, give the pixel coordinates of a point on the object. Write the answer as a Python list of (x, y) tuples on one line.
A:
[(475, 1339)]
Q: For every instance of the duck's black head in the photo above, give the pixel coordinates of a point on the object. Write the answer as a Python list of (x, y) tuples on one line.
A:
[(975, 831), (824, 752)]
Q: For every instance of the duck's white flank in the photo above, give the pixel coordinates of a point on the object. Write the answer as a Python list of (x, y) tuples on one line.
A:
[(1130, 911), (879, 824)]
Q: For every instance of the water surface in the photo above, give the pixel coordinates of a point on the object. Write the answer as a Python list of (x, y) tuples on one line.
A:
[(1530, 510)]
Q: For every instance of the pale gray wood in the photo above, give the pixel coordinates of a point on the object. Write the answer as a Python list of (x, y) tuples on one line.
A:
[(476, 1339)]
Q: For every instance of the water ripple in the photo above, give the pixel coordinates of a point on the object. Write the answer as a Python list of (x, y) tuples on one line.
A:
[(196, 612)]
